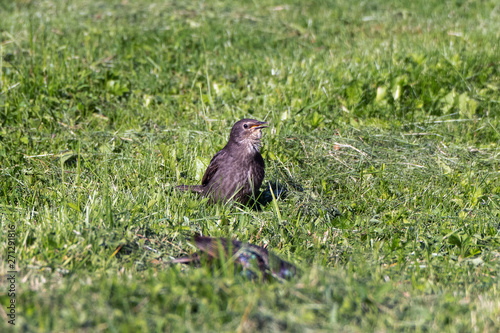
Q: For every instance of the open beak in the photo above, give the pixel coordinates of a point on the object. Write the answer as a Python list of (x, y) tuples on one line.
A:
[(259, 125)]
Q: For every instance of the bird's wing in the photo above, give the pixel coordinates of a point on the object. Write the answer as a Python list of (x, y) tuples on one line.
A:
[(212, 246), (213, 167)]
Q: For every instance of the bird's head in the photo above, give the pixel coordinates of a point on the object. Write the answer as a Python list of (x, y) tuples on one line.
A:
[(248, 132)]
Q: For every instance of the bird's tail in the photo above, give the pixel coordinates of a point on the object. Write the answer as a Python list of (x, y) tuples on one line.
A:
[(192, 188)]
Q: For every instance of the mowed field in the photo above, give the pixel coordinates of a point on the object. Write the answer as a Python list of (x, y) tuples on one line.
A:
[(384, 131)]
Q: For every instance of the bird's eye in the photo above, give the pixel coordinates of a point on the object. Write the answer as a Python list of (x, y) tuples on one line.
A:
[(245, 126)]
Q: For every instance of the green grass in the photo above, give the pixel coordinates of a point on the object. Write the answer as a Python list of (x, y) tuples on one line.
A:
[(387, 111)]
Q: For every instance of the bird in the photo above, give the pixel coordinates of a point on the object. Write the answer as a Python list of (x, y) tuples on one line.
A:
[(236, 172), (255, 260)]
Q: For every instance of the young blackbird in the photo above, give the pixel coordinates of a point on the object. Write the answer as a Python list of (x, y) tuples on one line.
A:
[(236, 172), (254, 259)]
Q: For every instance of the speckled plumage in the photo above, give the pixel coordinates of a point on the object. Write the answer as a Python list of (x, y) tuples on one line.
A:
[(251, 257), (237, 171)]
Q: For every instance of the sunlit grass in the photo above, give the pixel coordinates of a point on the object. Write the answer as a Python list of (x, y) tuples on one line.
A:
[(384, 111)]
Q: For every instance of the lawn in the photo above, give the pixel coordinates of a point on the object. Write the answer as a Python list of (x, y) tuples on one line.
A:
[(384, 130)]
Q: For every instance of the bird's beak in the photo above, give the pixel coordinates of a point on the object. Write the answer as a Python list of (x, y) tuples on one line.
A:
[(259, 125)]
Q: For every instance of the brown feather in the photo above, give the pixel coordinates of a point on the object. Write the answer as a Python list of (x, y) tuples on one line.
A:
[(236, 172)]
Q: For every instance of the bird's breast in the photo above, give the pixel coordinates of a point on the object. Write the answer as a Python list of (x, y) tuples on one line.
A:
[(247, 171)]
